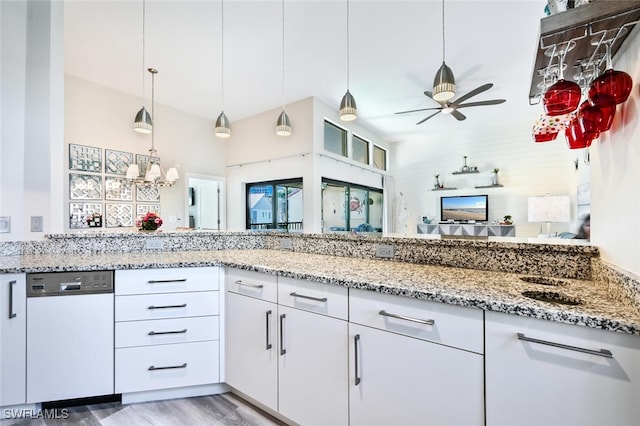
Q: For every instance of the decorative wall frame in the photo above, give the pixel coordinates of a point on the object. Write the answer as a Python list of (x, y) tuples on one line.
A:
[(147, 194), (78, 212), (85, 187), (85, 158), (117, 162), (118, 215), (117, 189), (142, 209)]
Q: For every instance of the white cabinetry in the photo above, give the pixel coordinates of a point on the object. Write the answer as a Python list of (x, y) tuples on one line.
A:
[(290, 357), (167, 328), (545, 373), (414, 362), (13, 332)]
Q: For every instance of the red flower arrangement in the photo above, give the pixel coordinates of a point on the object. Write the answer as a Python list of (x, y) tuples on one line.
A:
[(149, 222)]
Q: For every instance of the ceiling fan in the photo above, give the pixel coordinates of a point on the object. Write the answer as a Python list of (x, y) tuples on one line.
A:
[(447, 107)]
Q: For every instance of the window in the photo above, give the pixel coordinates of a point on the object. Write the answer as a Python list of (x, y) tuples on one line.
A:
[(379, 158), (335, 139), (275, 205), (359, 149), (350, 207)]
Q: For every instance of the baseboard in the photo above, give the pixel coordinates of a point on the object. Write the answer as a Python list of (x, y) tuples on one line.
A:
[(186, 392)]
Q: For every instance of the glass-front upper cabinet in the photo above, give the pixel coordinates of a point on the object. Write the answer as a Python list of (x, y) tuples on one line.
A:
[(348, 207)]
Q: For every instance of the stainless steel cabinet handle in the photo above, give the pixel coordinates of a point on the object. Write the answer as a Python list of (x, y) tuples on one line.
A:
[(179, 280), (268, 331), (169, 367), (157, 333), (240, 282), (11, 313), (282, 349), (184, 305), (602, 352), (356, 338), (302, 296), (418, 320)]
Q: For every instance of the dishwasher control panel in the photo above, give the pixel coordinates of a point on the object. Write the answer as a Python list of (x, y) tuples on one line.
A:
[(69, 283)]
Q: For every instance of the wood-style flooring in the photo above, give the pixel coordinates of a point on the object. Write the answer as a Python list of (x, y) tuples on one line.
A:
[(218, 410)]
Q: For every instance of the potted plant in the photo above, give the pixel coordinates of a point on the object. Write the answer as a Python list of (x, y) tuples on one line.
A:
[(437, 185), (149, 222), (507, 220), (494, 179)]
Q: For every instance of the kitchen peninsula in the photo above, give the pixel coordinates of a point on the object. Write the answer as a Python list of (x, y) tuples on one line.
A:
[(474, 291)]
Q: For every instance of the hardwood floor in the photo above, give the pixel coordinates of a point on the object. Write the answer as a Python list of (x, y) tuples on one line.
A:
[(217, 410)]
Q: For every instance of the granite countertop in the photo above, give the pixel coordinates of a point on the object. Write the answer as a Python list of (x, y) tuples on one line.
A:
[(489, 290)]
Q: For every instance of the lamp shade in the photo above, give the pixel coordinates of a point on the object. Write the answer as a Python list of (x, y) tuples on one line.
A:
[(550, 208), (348, 109), (133, 171), (223, 130), (172, 174), (143, 122), (283, 126), (444, 84)]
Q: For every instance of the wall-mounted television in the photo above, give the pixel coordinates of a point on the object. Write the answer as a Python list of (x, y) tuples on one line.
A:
[(192, 196), (465, 208)]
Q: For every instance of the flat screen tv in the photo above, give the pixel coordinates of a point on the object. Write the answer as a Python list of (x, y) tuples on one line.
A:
[(464, 208)]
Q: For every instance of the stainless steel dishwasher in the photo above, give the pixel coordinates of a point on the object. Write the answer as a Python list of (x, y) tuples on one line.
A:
[(70, 338)]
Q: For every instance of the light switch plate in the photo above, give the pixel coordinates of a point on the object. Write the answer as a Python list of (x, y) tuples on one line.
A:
[(5, 224)]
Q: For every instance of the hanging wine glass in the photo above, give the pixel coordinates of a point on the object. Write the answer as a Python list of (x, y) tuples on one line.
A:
[(563, 96), (575, 137), (590, 116), (617, 84)]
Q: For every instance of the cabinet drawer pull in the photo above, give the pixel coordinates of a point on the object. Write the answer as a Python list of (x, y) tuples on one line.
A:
[(302, 296), (179, 280), (184, 305), (157, 333), (602, 352), (356, 339), (268, 330), (169, 367), (418, 320), (282, 349), (240, 282), (11, 313)]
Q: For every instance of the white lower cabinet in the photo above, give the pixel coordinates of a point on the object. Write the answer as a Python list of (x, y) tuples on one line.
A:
[(547, 373), (13, 335), (400, 376), (167, 328), (290, 357)]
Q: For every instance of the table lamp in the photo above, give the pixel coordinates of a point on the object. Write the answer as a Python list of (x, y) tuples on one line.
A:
[(549, 209)]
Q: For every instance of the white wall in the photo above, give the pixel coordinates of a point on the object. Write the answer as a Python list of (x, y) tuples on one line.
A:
[(31, 116), (615, 169)]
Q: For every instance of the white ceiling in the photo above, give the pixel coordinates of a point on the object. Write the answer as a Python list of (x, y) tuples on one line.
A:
[(395, 51)]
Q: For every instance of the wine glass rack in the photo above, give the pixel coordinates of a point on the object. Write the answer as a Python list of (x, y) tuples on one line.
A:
[(590, 26)]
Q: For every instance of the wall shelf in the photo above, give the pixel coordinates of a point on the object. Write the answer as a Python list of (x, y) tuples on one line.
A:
[(489, 186), (583, 25), (465, 173), (444, 189)]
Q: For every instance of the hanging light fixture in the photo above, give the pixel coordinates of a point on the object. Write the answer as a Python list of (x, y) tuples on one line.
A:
[(222, 130), (154, 174), (143, 123), (444, 84), (283, 126), (348, 111)]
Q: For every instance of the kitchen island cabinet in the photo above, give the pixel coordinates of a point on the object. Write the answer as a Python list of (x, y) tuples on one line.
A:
[(414, 362), (13, 335), (547, 373), (298, 347)]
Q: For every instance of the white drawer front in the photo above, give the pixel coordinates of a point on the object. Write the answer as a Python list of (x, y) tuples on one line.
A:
[(144, 281), (253, 284), (168, 305), (315, 297), (166, 366), (455, 326), (166, 331)]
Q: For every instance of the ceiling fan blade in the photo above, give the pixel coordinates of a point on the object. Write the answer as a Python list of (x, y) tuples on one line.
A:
[(428, 94), (425, 119), (458, 115), (474, 92), (481, 103), (417, 110)]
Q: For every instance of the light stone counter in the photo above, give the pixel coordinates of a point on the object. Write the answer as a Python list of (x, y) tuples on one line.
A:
[(601, 306)]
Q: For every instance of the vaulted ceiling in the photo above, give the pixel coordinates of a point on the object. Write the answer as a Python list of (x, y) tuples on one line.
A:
[(395, 51)]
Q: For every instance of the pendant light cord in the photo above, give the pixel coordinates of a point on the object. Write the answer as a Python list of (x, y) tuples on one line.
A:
[(222, 52), (443, 31), (153, 105), (283, 55), (144, 14), (348, 45)]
